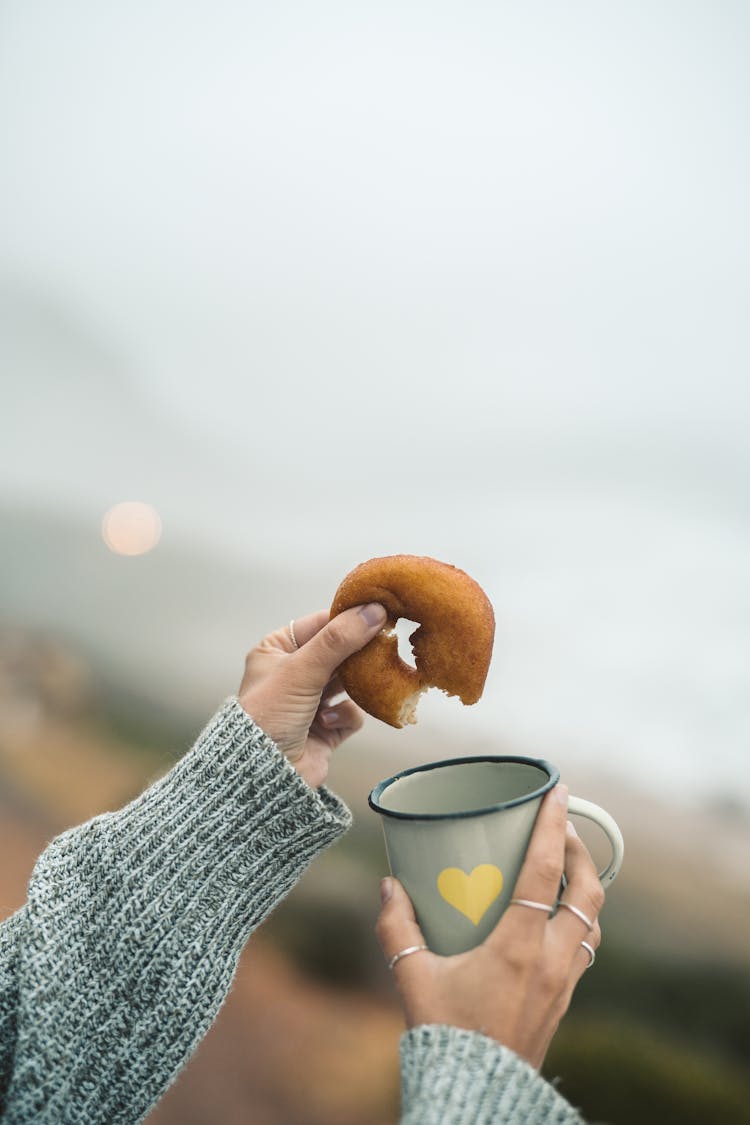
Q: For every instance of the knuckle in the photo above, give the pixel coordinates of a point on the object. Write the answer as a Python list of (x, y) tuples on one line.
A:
[(548, 870), (384, 929), (519, 955), (553, 977), (334, 635), (595, 896)]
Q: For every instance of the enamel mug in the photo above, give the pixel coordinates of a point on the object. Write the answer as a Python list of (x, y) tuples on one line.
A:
[(456, 833)]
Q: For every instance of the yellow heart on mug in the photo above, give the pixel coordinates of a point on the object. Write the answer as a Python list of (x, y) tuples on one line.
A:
[(471, 894)]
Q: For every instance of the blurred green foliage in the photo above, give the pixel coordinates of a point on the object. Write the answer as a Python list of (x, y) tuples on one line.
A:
[(703, 1004), (622, 1074), (657, 1041), (330, 939)]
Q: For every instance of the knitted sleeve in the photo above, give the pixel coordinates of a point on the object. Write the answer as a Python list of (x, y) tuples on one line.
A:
[(9, 932), (454, 1077), (129, 940)]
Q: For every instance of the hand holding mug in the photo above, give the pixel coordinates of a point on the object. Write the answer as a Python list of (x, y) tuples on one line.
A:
[(517, 984)]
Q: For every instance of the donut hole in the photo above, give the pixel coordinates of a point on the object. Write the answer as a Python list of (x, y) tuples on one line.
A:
[(403, 630)]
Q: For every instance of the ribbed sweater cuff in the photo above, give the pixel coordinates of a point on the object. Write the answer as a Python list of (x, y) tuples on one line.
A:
[(224, 834), (235, 814), (450, 1076)]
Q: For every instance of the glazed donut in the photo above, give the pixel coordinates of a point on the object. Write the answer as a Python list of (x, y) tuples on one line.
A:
[(452, 646)]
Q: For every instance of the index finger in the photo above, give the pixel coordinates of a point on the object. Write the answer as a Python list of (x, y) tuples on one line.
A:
[(542, 870)]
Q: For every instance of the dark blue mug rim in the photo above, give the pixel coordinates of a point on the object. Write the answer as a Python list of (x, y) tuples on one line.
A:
[(553, 776)]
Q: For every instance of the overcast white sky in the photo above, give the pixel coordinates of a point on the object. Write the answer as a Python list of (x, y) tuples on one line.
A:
[(464, 279)]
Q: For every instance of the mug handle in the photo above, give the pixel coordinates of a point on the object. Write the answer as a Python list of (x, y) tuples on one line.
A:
[(578, 807)]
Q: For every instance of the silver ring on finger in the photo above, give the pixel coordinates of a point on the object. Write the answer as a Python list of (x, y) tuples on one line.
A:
[(590, 950), (578, 913), (531, 905), (406, 952), (292, 637)]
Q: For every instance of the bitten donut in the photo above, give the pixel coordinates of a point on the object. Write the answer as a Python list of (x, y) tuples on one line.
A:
[(452, 646)]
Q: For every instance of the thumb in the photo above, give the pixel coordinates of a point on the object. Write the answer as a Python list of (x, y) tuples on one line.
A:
[(397, 927), (344, 634)]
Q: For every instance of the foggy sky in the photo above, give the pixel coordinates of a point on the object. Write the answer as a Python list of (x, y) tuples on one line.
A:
[(331, 280)]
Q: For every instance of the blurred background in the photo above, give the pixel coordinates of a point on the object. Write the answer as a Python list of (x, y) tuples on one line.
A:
[(284, 287)]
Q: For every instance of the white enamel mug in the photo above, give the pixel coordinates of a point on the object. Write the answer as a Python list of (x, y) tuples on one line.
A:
[(456, 833)]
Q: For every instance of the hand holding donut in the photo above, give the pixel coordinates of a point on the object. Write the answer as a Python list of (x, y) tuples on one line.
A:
[(517, 985), (290, 677)]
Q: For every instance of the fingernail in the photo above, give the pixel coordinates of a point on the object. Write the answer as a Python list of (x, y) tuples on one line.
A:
[(561, 794), (386, 890), (329, 718), (570, 829), (373, 614)]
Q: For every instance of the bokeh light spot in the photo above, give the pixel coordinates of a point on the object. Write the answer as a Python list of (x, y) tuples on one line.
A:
[(131, 528)]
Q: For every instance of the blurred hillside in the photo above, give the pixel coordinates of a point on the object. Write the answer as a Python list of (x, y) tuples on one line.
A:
[(131, 621), (658, 1033)]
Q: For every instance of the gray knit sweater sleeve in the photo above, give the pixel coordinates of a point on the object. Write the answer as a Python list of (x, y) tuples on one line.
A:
[(455, 1077), (10, 933), (117, 965)]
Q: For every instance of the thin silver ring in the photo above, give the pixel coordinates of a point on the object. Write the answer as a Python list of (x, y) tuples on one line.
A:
[(405, 953), (579, 914), (590, 951), (292, 637), (532, 905)]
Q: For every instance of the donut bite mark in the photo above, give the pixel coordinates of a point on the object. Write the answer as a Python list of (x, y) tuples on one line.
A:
[(452, 646)]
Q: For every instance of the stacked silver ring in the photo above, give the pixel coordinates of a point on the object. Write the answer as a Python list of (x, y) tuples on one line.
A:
[(568, 906), (531, 905), (590, 950), (578, 913), (405, 953)]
